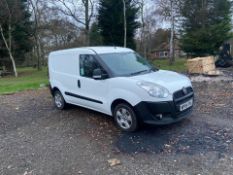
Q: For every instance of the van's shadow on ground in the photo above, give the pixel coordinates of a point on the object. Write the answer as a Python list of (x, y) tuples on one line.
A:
[(189, 136), (184, 137)]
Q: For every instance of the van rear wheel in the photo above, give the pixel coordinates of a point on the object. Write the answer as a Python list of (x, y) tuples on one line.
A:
[(59, 100), (125, 117)]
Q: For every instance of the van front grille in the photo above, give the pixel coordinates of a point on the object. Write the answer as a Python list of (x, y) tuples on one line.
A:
[(183, 94)]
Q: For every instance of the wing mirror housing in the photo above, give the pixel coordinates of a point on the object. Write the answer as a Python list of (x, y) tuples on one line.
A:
[(99, 74)]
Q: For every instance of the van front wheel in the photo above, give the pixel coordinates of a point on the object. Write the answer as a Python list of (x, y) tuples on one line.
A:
[(59, 100), (125, 117)]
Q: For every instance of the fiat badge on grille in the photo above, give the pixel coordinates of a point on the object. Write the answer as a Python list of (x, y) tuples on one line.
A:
[(185, 91)]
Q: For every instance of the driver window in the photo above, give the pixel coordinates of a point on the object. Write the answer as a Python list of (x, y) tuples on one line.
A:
[(88, 64)]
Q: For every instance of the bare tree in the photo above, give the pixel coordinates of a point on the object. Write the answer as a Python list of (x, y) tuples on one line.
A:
[(125, 23), (74, 10), (60, 33), (36, 17), (172, 45), (169, 10), (52, 30), (7, 17), (141, 4), (148, 25), (87, 18)]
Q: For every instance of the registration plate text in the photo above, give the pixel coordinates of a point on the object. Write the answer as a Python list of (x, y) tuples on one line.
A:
[(186, 105)]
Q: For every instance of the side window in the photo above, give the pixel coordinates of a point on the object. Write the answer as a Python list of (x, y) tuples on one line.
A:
[(87, 65)]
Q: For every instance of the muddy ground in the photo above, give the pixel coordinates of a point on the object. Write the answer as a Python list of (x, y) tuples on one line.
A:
[(37, 139)]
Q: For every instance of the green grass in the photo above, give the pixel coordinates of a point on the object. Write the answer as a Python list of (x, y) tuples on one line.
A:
[(178, 66), (29, 78)]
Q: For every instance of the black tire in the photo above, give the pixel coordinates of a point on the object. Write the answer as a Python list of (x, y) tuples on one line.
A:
[(128, 117), (60, 104)]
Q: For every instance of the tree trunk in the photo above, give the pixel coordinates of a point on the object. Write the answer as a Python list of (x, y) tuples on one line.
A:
[(87, 28), (9, 50), (38, 52), (36, 34), (171, 54), (44, 63), (125, 23), (143, 42), (10, 36)]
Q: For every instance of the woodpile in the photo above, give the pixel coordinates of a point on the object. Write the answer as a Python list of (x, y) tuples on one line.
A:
[(203, 65)]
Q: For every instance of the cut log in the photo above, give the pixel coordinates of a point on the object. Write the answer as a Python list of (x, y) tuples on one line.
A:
[(201, 65)]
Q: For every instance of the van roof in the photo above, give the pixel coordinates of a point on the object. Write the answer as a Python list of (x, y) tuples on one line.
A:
[(98, 50)]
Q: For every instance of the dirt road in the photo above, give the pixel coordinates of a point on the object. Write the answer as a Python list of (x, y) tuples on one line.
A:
[(35, 138)]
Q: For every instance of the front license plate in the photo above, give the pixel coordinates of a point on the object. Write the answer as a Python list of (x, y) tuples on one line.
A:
[(186, 105)]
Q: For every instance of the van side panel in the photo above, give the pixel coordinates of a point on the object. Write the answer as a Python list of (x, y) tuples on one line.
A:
[(63, 71), (64, 63)]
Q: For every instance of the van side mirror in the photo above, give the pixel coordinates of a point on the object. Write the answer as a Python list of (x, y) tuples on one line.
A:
[(97, 74)]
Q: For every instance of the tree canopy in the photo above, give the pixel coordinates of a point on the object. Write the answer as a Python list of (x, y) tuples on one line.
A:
[(16, 15), (111, 22), (206, 25)]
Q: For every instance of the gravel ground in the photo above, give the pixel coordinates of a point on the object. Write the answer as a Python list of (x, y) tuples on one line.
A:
[(226, 76), (35, 138)]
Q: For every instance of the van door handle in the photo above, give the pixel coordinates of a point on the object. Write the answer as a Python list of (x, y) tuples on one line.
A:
[(79, 84)]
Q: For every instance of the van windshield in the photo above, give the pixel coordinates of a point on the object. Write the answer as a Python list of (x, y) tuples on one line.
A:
[(125, 64)]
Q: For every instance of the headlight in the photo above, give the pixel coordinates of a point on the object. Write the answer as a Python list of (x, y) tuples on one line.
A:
[(154, 90)]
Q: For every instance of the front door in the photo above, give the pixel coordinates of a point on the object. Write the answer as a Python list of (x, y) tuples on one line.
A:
[(91, 93)]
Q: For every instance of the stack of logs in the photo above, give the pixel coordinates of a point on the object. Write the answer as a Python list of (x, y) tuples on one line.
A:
[(203, 65)]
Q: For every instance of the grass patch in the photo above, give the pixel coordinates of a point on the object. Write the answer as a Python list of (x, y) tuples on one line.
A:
[(178, 66), (29, 78)]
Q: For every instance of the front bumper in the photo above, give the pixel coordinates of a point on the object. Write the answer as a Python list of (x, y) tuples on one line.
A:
[(150, 112)]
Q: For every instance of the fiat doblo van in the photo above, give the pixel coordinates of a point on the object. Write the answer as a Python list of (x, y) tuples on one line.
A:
[(120, 83)]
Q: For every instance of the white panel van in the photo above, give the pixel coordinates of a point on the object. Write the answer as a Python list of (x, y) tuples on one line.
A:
[(120, 83)]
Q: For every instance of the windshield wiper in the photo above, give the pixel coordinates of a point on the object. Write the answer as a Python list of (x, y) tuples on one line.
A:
[(154, 69), (139, 72)]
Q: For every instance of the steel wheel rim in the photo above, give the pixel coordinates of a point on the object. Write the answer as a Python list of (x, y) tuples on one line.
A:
[(58, 100), (124, 118)]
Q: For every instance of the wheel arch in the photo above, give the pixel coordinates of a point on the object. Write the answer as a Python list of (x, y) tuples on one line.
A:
[(118, 101), (54, 89), (136, 119), (122, 96)]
